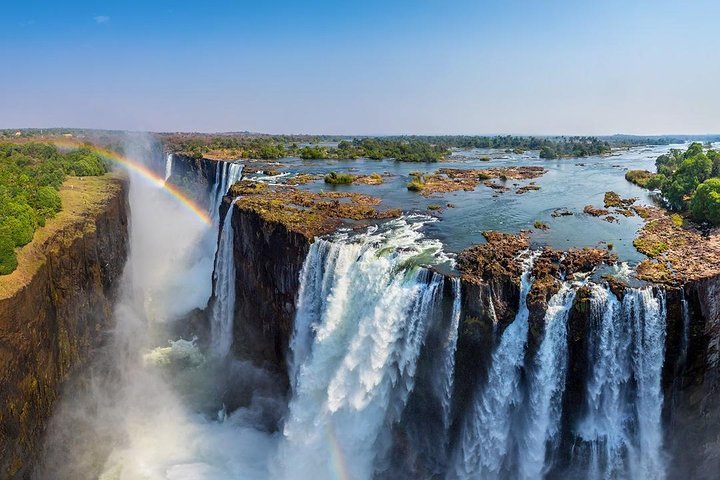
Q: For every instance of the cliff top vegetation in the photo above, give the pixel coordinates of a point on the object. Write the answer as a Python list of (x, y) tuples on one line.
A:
[(82, 198), (31, 175), (304, 212)]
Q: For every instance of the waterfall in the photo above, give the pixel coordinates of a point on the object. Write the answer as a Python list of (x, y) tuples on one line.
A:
[(226, 174), (487, 431), (648, 317), (447, 375), (223, 310), (168, 166), (363, 312), (622, 425), (547, 384)]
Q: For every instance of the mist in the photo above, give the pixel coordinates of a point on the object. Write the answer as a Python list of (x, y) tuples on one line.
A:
[(150, 405)]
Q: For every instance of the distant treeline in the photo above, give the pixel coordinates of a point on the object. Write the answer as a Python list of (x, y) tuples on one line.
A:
[(401, 148), (549, 147), (30, 177)]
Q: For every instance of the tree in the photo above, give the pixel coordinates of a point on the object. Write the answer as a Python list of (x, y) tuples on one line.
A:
[(705, 203), (692, 171)]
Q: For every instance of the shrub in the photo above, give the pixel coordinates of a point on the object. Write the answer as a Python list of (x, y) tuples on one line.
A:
[(334, 178), (416, 184), (8, 260), (645, 179)]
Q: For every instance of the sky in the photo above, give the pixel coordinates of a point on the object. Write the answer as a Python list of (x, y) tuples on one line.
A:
[(363, 67)]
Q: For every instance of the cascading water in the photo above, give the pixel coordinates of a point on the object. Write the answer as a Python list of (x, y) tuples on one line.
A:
[(447, 375), (168, 166), (624, 397), (543, 405), (363, 314), (223, 308), (486, 433), (226, 174)]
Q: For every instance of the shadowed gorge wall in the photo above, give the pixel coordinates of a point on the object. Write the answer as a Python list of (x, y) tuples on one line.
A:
[(55, 311), (268, 259)]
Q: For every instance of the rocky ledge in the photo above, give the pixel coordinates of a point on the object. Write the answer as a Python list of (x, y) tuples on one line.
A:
[(453, 179), (305, 212), (678, 251)]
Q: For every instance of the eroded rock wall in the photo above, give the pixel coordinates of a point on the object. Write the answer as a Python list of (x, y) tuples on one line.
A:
[(268, 260)]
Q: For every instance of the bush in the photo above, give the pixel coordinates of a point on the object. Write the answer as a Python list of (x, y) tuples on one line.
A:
[(8, 260), (416, 184), (334, 178), (705, 203), (645, 179), (48, 201)]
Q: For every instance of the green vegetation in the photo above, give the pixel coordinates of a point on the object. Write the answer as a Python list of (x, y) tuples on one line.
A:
[(650, 247), (705, 203), (334, 178), (645, 179), (30, 177), (417, 182), (541, 225), (688, 180)]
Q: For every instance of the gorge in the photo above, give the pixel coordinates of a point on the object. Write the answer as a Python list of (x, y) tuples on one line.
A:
[(313, 332)]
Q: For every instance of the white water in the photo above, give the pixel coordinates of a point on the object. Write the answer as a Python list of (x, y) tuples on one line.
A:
[(622, 425), (487, 432), (547, 384), (223, 309), (447, 374), (168, 166), (226, 174), (362, 317)]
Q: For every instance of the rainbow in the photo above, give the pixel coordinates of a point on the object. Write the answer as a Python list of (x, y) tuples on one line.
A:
[(137, 167), (337, 458)]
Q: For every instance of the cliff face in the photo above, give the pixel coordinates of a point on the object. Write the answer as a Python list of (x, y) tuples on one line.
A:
[(692, 400), (194, 175), (268, 260), (54, 310)]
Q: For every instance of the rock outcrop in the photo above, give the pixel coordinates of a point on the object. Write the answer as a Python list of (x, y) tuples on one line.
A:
[(54, 310)]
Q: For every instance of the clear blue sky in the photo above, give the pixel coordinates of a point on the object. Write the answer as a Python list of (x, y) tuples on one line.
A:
[(363, 66)]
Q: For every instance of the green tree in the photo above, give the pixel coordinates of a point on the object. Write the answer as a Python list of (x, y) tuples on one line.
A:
[(692, 171), (705, 203)]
